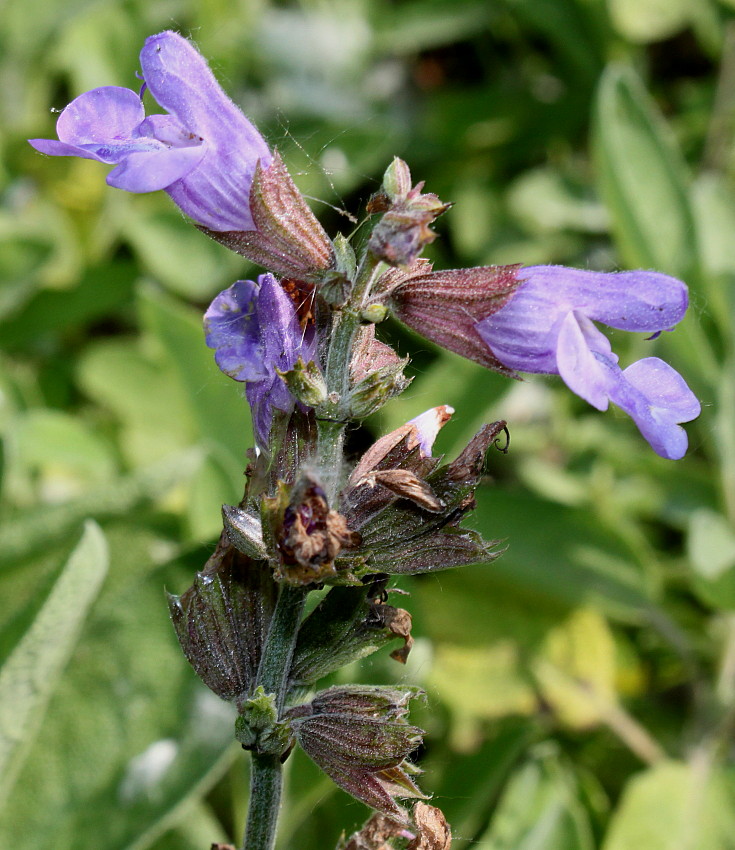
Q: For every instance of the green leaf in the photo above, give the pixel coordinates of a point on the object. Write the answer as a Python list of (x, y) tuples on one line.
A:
[(29, 676), (186, 262), (61, 453), (480, 683), (197, 828), (576, 669), (144, 395), (35, 530), (413, 27), (651, 20), (212, 486), (217, 406), (644, 178), (468, 784), (131, 739), (540, 810), (711, 544), (557, 559), (675, 806), (711, 550)]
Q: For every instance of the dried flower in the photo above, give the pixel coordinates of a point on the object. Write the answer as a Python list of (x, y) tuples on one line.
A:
[(407, 509), (203, 153), (311, 535)]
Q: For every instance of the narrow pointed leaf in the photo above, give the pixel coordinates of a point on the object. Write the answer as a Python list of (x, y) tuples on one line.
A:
[(28, 677)]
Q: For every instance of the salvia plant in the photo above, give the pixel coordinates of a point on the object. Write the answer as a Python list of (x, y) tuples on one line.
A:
[(302, 340)]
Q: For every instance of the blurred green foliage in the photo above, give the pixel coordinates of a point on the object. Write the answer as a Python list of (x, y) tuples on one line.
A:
[(582, 688)]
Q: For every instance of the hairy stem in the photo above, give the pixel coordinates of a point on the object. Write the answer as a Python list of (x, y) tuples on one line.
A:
[(266, 781), (266, 778), (332, 422), (345, 328)]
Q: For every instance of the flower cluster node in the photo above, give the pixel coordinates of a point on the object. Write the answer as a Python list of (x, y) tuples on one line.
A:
[(258, 728)]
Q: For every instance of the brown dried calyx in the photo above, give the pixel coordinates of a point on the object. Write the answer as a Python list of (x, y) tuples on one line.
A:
[(312, 535), (398, 621), (432, 832)]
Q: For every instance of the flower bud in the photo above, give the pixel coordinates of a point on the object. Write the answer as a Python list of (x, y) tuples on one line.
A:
[(403, 231), (258, 728), (359, 737), (305, 382), (397, 180), (374, 313), (376, 373), (408, 516)]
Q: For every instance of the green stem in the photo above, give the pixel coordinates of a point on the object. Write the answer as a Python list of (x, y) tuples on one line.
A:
[(266, 781), (345, 328), (279, 646), (332, 420), (266, 777)]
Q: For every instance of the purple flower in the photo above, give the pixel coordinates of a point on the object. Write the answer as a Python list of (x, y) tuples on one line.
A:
[(548, 326), (254, 330), (203, 152)]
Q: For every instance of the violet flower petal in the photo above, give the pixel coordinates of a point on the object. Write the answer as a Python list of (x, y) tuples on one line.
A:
[(523, 334), (149, 171), (283, 342), (53, 148), (264, 396), (631, 301), (104, 116), (548, 326), (255, 331), (282, 335), (101, 124), (203, 154), (215, 194), (428, 424), (657, 398), (232, 328), (578, 367)]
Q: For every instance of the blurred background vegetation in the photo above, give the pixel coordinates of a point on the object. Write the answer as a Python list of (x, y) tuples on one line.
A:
[(582, 688)]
